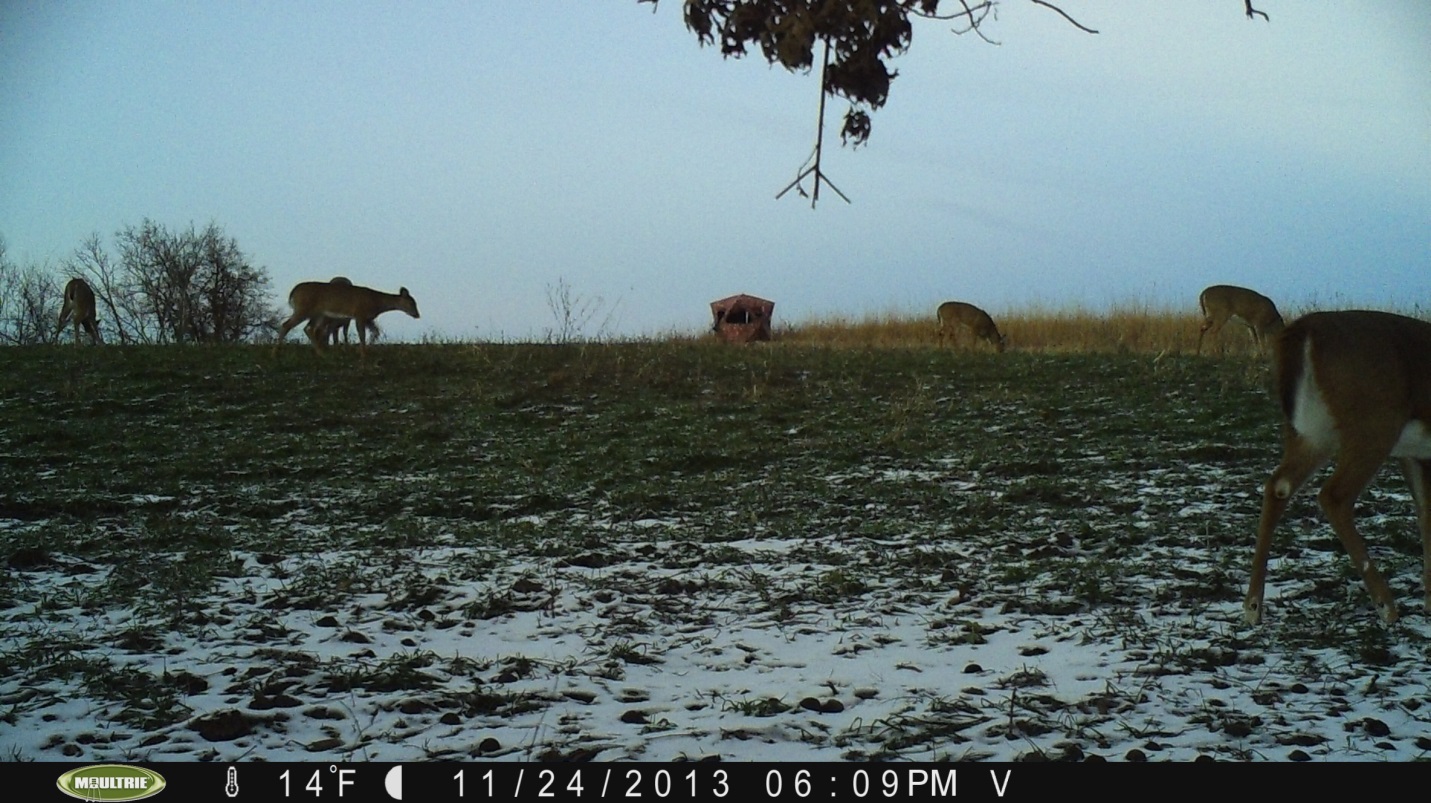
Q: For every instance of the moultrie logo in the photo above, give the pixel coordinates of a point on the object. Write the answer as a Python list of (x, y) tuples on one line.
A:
[(111, 782)]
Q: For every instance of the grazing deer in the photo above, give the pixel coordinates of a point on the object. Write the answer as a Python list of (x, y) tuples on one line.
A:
[(316, 301), (1221, 302), (328, 329), (955, 314), (1354, 386), (79, 305)]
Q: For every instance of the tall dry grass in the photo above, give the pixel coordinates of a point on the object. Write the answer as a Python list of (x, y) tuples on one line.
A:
[(1126, 328)]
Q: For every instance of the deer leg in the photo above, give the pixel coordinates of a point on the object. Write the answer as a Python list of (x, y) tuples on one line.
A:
[(1300, 459), (284, 328), (1209, 324), (1418, 476), (1355, 470), (363, 340), (1256, 337), (316, 333)]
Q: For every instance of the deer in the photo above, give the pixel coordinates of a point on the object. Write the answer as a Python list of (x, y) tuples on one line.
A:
[(329, 328), (1221, 302), (79, 306), (317, 302), (1354, 387), (955, 314)]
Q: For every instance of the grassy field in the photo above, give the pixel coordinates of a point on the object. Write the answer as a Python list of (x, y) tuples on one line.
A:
[(153, 500), (1125, 329)]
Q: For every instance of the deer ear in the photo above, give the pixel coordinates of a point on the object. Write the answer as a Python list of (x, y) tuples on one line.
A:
[(402, 291)]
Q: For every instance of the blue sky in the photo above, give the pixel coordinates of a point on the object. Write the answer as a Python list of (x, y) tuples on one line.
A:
[(484, 154)]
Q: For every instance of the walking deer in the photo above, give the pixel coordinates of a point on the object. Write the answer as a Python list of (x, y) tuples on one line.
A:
[(1354, 387), (316, 301)]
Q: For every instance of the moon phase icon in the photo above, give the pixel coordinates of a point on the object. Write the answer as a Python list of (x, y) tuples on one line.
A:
[(393, 782)]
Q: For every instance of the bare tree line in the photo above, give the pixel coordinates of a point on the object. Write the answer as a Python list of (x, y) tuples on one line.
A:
[(156, 286), (27, 298)]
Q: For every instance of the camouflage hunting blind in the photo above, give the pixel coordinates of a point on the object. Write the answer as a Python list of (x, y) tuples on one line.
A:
[(742, 318)]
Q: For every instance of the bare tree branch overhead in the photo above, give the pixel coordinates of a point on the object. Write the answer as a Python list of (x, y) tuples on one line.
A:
[(1071, 21), (859, 38), (863, 36)]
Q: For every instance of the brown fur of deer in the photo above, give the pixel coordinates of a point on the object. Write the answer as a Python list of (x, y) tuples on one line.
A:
[(316, 301), (1223, 302), (328, 329), (956, 315), (79, 306), (1355, 388)]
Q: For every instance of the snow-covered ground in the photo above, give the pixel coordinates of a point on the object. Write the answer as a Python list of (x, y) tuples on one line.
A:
[(767, 646), (653, 552)]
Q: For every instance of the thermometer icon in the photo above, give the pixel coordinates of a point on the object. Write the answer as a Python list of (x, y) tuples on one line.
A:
[(231, 788)]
